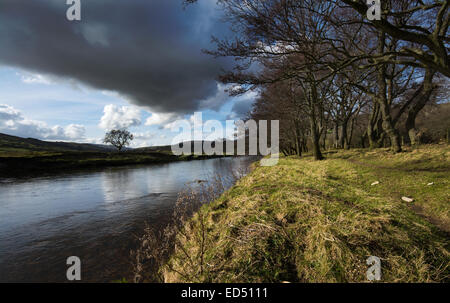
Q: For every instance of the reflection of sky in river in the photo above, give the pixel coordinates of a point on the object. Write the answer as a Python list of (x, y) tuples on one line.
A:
[(119, 184), (58, 201), (35, 200), (44, 219)]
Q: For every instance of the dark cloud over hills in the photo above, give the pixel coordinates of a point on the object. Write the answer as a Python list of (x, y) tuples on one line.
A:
[(147, 50)]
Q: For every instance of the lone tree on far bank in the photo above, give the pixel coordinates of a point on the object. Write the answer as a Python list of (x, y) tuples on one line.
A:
[(118, 138)]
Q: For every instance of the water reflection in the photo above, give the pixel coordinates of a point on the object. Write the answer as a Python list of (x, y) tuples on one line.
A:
[(120, 185), (93, 215)]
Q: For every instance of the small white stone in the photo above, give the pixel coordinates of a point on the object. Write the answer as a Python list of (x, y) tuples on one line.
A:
[(431, 183), (375, 183), (406, 199)]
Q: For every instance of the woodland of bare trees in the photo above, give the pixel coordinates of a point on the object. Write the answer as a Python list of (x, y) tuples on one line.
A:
[(333, 77)]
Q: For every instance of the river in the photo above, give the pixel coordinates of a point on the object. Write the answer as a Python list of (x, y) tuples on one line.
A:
[(94, 215)]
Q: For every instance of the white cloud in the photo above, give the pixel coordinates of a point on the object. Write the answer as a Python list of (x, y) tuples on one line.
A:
[(144, 136), (164, 120), (30, 78), (142, 139), (12, 122), (117, 117), (196, 119), (75, 131), (8, 113), (35, 78), (110, 93)]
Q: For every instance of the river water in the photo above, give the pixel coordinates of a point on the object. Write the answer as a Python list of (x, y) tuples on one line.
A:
[(94, 215)]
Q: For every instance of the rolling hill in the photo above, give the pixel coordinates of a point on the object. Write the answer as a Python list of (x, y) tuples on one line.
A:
[(12, 144), (28, 157)]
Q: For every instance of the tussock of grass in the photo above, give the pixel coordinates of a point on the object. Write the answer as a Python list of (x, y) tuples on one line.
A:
[(307, 221)]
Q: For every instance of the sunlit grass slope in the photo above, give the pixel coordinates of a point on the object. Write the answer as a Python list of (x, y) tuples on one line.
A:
[(308, 221)]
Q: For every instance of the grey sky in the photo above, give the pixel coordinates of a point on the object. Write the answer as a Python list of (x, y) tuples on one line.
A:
[(148, 51)]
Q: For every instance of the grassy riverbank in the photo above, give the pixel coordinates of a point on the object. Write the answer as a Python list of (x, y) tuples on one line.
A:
[(308, 221), (28, 157)]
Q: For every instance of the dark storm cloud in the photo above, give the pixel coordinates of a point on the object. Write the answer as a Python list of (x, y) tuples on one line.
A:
[(147, 50), (242, 107)]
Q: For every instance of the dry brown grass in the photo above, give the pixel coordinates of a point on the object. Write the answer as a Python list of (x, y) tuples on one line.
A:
[(156, 245), (307, 221)]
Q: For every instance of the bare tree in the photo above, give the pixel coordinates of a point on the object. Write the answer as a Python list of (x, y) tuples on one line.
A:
[(283, 101), (313, 42), (422, 26), (119, 138), (347, 102), (291, 37)]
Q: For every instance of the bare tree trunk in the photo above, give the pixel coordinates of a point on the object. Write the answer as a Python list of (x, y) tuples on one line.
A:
[(363, 139), (388, 125), (349, 139), (298, 148), (424, 96), (336, 135), (315, 138), (374, 129), (343, 134), (305, 144)]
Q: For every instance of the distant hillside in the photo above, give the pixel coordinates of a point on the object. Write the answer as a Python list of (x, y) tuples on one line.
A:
[(168, 148), (11, 144), (29, 157)]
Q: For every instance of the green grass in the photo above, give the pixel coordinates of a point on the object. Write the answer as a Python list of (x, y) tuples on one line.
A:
[(23, 152), (12, 146), (309, 221)]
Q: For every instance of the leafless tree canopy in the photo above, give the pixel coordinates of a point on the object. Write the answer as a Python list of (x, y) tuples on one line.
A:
[(325, 70)]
